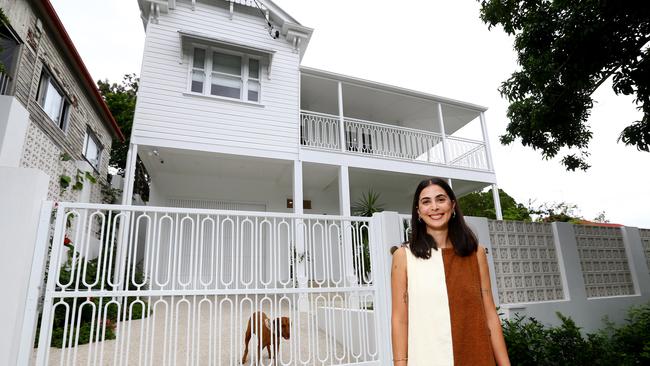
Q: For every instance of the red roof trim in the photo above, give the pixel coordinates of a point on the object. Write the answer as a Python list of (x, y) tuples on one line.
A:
[(82, 67)]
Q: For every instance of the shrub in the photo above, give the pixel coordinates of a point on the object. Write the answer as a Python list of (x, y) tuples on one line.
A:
[(103, 325), (529, 342)]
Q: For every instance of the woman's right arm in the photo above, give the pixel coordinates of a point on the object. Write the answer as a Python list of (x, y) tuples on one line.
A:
[(399, 316)]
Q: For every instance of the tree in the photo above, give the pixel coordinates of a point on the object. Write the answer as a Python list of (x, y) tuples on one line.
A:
[(481, 204), (556, 212), (566, 50), (120, 99)]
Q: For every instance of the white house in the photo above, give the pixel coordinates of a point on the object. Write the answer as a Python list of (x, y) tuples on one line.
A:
[(228, 118)]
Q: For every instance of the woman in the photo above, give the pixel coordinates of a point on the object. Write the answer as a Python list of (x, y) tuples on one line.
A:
[(443, 312)]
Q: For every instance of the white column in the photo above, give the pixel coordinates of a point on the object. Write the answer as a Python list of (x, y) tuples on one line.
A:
[(387, 232), (497, 201), (344, 190), (445, 148), (486, 140), (341, 118), (344, 206), (129, 175), (300, 269)]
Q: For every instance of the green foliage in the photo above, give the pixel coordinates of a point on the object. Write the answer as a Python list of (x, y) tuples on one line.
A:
[(529, 342), (632, 340), (65, 157), (75, 269), (556, 212), (110, 195), (566, 50), (64, 181), (481, 204), (120, 99), (366, 206)]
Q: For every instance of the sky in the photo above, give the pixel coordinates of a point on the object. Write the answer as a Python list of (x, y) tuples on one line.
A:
[(434, 46)]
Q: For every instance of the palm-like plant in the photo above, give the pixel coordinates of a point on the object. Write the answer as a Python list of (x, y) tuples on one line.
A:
[(365, 206)]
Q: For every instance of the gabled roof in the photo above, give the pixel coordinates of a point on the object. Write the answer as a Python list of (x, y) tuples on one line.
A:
[(61, 36), (290, 28)]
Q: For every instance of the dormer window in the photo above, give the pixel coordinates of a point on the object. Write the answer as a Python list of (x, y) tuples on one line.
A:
[(223, 73)]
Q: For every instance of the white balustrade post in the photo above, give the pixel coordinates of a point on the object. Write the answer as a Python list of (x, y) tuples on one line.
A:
[(445, 148), (486, 141), (129, 175), (497, 201), (386, 230), (344, 205), (125, 219), (300, 269), (341, 117)]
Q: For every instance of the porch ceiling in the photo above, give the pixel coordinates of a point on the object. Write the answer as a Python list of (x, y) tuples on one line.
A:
[(374, 104), (215, 166)]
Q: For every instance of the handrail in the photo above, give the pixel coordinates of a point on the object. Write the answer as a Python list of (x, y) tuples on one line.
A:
[(385, 125)]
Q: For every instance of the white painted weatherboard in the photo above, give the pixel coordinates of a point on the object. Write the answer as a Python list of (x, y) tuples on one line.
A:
[(166, 115)]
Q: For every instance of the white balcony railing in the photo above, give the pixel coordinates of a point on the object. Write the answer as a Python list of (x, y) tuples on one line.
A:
[(371, 138), (320, 130), (393, 142)]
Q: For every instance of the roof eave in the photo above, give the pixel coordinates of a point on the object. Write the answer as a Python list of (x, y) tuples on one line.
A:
[(62, 36), (390, 88)]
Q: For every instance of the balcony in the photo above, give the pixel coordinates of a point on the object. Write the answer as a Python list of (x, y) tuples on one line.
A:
[(323, 131)]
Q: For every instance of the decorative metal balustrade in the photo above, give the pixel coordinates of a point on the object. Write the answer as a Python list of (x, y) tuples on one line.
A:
[(322, 131), (150, 285)]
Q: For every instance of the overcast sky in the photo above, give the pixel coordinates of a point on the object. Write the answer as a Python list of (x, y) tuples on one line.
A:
[(440, 47)]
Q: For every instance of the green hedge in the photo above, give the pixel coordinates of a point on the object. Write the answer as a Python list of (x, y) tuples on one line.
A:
[(531, 343)]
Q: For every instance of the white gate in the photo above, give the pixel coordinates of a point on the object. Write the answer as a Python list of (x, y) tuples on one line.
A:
[(133, 285)]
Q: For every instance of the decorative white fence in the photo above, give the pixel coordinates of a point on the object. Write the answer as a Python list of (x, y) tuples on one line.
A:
[(132, 285), (322, 131), (604, 261), (526, 264)]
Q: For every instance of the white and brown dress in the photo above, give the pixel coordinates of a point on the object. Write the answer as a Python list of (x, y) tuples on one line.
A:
[(447, 323)]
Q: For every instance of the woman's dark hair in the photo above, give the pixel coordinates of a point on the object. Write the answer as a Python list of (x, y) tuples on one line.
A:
[(461, 236)]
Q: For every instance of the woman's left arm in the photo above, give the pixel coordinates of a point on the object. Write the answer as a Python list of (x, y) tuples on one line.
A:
[(493, 321)]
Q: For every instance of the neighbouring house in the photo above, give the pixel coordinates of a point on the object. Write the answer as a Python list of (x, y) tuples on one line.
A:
[(52, 116)]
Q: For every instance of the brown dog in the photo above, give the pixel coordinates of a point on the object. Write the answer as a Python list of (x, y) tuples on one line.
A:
[(266, 332)]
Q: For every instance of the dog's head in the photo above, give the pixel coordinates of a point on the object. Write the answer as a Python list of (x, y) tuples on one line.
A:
[(283, 325)]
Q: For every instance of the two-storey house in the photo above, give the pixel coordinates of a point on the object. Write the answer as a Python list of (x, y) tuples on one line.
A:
[(52, 116), (228, 118)]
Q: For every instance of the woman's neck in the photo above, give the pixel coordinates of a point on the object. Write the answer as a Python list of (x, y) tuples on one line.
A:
[(441, 237)]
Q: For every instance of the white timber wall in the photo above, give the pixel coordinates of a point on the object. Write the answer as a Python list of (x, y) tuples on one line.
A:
[(167, 116)]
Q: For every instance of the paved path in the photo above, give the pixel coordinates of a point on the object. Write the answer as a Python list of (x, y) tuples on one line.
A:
[(195, 335)]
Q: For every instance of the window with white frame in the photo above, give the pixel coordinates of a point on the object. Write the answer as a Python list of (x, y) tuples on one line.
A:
[(52, 100), (92, 149), (225, 74)]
